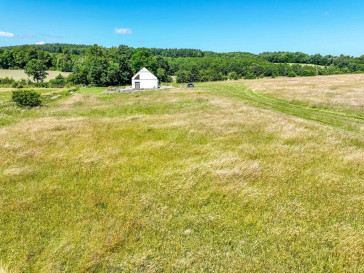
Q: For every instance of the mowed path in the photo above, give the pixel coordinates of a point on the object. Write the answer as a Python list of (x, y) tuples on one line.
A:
[(351, 122)]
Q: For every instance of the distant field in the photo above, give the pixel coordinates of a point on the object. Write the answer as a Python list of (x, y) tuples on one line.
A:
[(342, 92), (5, 93), (305, 64), (317, 65), (19, 74), (237, 176)]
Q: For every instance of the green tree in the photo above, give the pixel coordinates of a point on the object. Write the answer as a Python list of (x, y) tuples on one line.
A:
[(7, 59), (80, 73), (36, 69), (143, 57), (183, 76), (161, 74), (64, 61), (96, 65), (113, 74), (122, 58)]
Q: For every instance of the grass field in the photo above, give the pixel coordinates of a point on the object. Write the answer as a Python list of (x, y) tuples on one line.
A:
[(92, 90), (303, 64), (225, 177), (5, 93), (20, 74), (339, 92)]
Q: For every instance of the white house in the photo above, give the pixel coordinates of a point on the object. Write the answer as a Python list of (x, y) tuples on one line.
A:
[(144, 79)]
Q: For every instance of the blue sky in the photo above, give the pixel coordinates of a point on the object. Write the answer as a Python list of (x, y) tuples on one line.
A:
[(311, 26)]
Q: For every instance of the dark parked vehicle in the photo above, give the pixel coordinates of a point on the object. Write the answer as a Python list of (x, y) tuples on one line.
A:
[(190, 85)]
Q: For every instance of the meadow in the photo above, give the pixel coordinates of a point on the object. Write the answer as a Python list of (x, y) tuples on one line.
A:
[(20, 74), (239, 176)]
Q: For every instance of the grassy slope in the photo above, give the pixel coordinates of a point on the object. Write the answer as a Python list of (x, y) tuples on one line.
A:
[(178, 180), (92, 90), (19, 74), (5, 93), (340, 92), (10, 113), (353, 122)]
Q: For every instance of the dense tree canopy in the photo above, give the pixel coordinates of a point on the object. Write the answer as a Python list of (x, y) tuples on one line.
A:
[(116, 65), (143, 57)]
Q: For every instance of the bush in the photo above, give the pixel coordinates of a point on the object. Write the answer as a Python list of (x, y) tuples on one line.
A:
[(233, 76), (169, 79), (308, 72), (59, 82), (7, 80), (250, 76), (41, 84), (292, 74), (26, 98)]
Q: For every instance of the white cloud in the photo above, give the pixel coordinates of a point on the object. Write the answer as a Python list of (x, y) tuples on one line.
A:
[(6, 34), (40, 43), (123, 31)]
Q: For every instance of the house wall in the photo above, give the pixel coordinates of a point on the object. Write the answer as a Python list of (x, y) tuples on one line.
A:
[(146, 84)]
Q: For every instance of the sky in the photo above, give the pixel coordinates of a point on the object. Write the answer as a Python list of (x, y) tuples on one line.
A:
[(310, 26)]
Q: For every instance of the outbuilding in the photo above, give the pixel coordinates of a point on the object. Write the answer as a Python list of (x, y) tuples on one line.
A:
[(144, 79)]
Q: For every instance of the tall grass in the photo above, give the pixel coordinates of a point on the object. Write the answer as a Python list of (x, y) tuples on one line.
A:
[(180, 180)]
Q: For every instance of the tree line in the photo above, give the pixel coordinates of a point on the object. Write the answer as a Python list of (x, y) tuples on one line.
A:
[(115, 66), (342, 61)]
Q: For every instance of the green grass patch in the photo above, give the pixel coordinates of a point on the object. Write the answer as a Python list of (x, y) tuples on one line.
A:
[(107, 97), (92, 90), (211, 179)]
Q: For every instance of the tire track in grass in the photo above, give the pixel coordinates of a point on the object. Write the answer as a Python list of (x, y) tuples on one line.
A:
[(340, 120)]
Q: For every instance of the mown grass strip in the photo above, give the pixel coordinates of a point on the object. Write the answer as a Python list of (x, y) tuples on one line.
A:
[(341, 120)]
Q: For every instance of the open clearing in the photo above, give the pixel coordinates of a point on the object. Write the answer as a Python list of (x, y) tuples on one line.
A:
[(217, 178), (20, 74), (343, 92)]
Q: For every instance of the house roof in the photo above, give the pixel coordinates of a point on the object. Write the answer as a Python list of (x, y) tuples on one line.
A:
[(144, 74)]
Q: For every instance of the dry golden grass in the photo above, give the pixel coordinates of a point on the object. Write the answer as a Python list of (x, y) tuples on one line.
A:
[(340, 91), (20, 74)]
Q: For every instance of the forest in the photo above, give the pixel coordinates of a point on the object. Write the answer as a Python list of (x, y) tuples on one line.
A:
[(99, 65)]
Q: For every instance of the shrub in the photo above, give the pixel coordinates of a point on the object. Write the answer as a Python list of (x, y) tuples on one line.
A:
[(250, 75), (292, 74), (233, 76), (41, 84), (308, 72), (59, 82), (169, 79), (7, 81), (26, 98)]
